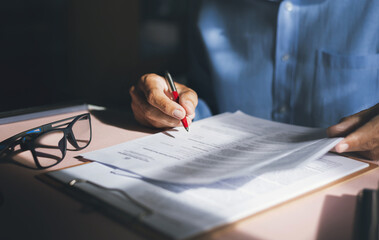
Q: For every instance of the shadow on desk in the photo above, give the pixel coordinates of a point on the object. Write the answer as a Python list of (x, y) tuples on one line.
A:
[(121, 119), (337, 217)]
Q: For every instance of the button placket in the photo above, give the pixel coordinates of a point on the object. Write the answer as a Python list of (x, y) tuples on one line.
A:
[(284, 62)]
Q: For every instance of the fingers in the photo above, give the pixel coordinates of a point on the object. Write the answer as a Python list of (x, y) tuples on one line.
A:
[(365, 140), (148, 115), (345, 126), (153, 105), (158, 95), (349, 124)]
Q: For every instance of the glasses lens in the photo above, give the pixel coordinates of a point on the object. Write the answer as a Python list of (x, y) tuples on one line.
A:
[(49, 148), (82, 131), (25, 158)]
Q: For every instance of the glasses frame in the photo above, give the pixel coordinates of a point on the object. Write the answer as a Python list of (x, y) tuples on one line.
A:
[(26, 138)]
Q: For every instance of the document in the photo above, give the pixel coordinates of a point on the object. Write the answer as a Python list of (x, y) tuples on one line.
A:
[(225, 146), (183, 210)]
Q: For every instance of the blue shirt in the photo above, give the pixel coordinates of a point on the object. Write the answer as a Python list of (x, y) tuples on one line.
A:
[(305, 62)]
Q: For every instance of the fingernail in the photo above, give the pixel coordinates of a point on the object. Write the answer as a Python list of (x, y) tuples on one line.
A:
[(191, 116), (178, 114), (342, 147), (189, 105)]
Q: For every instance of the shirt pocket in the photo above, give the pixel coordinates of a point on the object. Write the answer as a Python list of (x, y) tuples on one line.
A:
[(344, 85)]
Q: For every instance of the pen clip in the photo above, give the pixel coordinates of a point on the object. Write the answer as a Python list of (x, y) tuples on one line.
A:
[(170, 81)]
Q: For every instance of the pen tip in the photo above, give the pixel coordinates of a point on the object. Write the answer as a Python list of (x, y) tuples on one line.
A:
[(187, 129)]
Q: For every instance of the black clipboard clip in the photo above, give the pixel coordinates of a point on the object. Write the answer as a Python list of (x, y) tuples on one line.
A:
[(146, 210), (366, 225)]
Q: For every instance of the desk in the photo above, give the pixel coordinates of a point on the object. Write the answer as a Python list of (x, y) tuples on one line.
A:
[(35, 210)]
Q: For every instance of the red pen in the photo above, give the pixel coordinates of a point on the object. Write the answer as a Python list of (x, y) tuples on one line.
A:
[(176, 96)]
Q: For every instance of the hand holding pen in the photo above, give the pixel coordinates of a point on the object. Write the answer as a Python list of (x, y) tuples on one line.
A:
[(175, 95), (153, 105)]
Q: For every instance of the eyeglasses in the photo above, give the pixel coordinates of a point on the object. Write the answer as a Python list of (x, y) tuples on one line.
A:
[(48, 143)]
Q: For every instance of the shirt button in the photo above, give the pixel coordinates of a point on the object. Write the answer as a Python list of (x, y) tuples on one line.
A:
[(285, 57), (283, 109), (288, 6)]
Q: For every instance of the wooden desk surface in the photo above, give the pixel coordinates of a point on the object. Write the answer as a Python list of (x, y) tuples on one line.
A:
[(34, 210)]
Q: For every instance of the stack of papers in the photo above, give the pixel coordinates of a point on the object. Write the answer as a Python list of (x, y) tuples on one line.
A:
[(228, 167), (221, 147)]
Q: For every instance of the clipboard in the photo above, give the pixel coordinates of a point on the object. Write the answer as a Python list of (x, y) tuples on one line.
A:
[(131, 217)]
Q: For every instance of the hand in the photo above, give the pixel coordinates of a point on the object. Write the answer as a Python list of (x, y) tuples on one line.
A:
[(153, 105), (361, 132)]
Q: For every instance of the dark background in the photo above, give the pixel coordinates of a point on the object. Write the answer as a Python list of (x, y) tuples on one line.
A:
[(58, 51)]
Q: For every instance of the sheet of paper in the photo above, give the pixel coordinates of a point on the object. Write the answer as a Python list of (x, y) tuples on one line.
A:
[(175, 206), (216, 148)]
